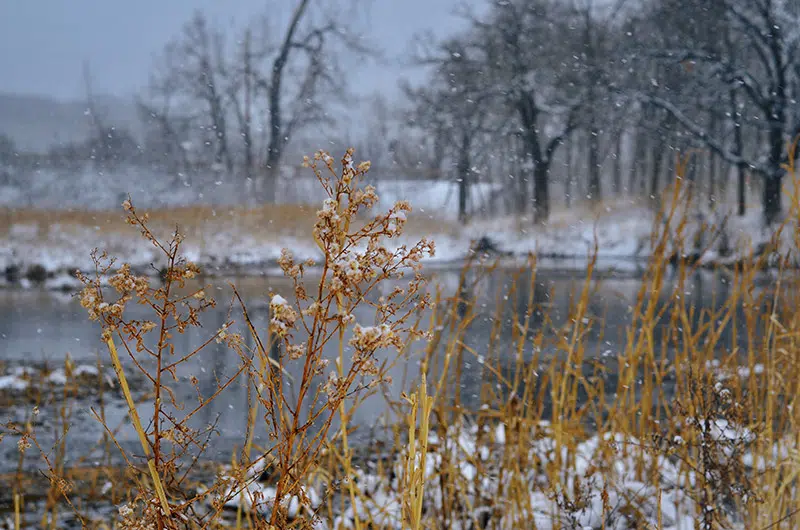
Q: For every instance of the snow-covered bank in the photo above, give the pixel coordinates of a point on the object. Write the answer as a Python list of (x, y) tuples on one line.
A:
[(39, 253), (88, 189), (20, 379), (608, 480), (29, 258)]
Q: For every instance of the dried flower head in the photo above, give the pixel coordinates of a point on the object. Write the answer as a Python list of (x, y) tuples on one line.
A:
[(24, 443), (283, 316), (296, 351)]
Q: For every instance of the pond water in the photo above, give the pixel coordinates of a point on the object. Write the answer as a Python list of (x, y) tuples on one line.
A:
[(38, 326)]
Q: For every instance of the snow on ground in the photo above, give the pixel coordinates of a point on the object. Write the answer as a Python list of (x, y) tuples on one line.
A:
[(87, 188), (572, 235), (622, 231), (611, 470), (20, 378)]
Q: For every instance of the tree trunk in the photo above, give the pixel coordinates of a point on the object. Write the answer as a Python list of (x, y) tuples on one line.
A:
[(568, 182), (541, 193), (741, 189), (222, 154), (773, 185), (738, 146), (593, 162), (521, 175), (247, 133), (539, 153), (618, 164), (713, 166), (278, 135), (636, 174), (773, 182), (713, 171), (593, 80), (655, 171), (463, 175)]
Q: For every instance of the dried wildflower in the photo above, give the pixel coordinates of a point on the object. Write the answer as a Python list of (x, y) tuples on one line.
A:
[(346, 318), (327, 218), (371, 338), (62, 485), (347, 161), (283, 316), (234, 340), (287, 264), (91, 300), (295, 351), (336, 285), (312, 310), (190, 270), (300, 292), (322, 364), (23, 443), (332, 387), (367, 197)]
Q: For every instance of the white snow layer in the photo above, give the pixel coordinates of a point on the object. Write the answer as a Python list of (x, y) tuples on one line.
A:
[(633, 483), (623, 235)]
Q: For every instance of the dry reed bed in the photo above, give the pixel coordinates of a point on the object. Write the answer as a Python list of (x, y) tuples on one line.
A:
[(45, 246), (195, 222), (687, 434)]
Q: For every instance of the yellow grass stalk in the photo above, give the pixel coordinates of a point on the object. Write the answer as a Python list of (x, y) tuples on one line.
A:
[(17, 511), (421, 406), (137, 424)]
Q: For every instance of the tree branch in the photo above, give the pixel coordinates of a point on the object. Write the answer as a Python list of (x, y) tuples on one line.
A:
[(703, 135)]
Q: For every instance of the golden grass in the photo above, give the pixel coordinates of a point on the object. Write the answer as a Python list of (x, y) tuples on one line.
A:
[(265, 223), (290, 218)]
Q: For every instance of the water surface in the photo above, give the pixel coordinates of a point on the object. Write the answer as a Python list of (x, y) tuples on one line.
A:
[(38, 326)]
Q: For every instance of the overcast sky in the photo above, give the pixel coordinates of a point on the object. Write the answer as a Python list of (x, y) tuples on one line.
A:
[(45, 42)]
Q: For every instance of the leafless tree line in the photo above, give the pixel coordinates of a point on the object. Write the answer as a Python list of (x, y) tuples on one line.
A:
[(554, 90), (235, 106), (553, 101)]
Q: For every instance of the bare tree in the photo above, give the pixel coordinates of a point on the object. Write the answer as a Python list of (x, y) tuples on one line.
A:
[(527, 70), (193, 70), (276, 82), (378, 135), (308, 50), (761, 65), (241, 92), (460, 98)]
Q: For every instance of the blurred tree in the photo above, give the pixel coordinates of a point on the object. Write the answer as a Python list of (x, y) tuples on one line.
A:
[(273, 85), (529, 72), (456, 100), (8, 151), (755, 55)]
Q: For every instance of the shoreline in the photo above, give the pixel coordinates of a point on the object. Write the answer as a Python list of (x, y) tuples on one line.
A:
[(63, 278)]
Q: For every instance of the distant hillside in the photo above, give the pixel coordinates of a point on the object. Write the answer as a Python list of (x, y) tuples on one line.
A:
[(37, 122)]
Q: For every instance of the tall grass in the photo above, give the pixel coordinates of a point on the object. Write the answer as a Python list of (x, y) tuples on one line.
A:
[(680, 428)]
